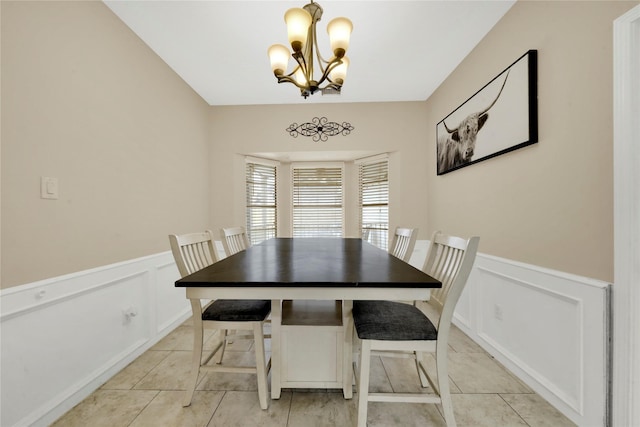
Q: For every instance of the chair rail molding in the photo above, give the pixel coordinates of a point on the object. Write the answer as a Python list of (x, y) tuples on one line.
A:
[(626, 170)]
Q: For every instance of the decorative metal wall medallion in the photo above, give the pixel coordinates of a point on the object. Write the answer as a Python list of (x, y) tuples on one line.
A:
[(320, 129)]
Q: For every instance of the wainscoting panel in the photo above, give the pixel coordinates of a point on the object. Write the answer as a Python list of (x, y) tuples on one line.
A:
[(549, 328), (63, 337), (172, 302)]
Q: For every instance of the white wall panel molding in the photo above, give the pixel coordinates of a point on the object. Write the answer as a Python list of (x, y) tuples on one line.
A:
[(43, 296), (18, 297), (172, 303), (63, 337), (550, 328), (564, 378)]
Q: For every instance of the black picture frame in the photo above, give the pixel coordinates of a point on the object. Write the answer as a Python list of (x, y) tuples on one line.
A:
[(499, 118)]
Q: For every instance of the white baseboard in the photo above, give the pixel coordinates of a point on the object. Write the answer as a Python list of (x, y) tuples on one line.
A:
[(62, 338)]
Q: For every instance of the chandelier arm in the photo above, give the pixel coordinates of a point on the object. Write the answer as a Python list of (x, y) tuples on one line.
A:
[(321, 60), (308, 54), (330, 66), (291, 74), (313, 35), (303, 65), (289, 79)]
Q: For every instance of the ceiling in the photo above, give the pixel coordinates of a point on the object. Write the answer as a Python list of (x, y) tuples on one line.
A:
[(399, 51)]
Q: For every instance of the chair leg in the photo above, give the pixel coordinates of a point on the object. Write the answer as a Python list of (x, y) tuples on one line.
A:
[(223, 346), (443, 387), (276, 349), (261, 365), (347, 349), (355, 357), (363, 382), (419, 355), (196, 360)]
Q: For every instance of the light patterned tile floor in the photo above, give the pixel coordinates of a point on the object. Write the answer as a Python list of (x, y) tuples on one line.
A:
[(149, 392)]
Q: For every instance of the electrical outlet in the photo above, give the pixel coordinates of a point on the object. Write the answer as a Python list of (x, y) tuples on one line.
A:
[(497, 312), (128, 313)]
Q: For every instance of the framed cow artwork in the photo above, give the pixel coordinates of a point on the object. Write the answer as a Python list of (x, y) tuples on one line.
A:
[(497, 119)]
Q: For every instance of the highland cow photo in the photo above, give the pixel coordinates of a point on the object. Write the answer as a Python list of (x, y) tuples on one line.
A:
[(499, 118)]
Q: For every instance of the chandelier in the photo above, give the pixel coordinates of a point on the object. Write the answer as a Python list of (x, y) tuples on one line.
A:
[(301, 29)]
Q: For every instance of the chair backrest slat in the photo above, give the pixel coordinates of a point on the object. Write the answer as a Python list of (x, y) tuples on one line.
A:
[(449, 260), (404, 240), (192, 252), (234, 240)]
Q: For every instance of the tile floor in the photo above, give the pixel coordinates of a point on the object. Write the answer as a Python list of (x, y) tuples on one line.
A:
[(149, 392)]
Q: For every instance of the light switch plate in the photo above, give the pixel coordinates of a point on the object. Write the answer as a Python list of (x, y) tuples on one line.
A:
[(48, 187)]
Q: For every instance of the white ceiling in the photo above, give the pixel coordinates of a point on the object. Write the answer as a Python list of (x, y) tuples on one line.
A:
[(399, 51)]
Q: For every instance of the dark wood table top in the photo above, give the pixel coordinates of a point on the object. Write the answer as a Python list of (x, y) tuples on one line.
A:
[(310, 262)]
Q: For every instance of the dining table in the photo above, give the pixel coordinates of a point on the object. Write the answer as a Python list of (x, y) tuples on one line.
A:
[(313, 268)]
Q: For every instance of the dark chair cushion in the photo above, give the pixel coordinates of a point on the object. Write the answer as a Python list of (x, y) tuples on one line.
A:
[(237, 310), (391, 321)]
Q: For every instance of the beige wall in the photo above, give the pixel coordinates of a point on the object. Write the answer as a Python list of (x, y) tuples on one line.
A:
[(396, 128), (549, 204), (84, 100)]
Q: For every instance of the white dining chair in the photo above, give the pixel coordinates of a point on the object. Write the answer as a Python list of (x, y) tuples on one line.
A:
[(193, 252), (390, 328), (234, 240), (403, 242)]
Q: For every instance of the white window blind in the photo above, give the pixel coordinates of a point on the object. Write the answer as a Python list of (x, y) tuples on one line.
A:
[(261, 202), (373, 198), (317, 201)]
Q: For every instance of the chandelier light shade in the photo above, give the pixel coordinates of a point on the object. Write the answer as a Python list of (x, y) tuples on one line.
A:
[(301, 30), (339, 73), (279, 56), (298, 22), (339, 30)]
